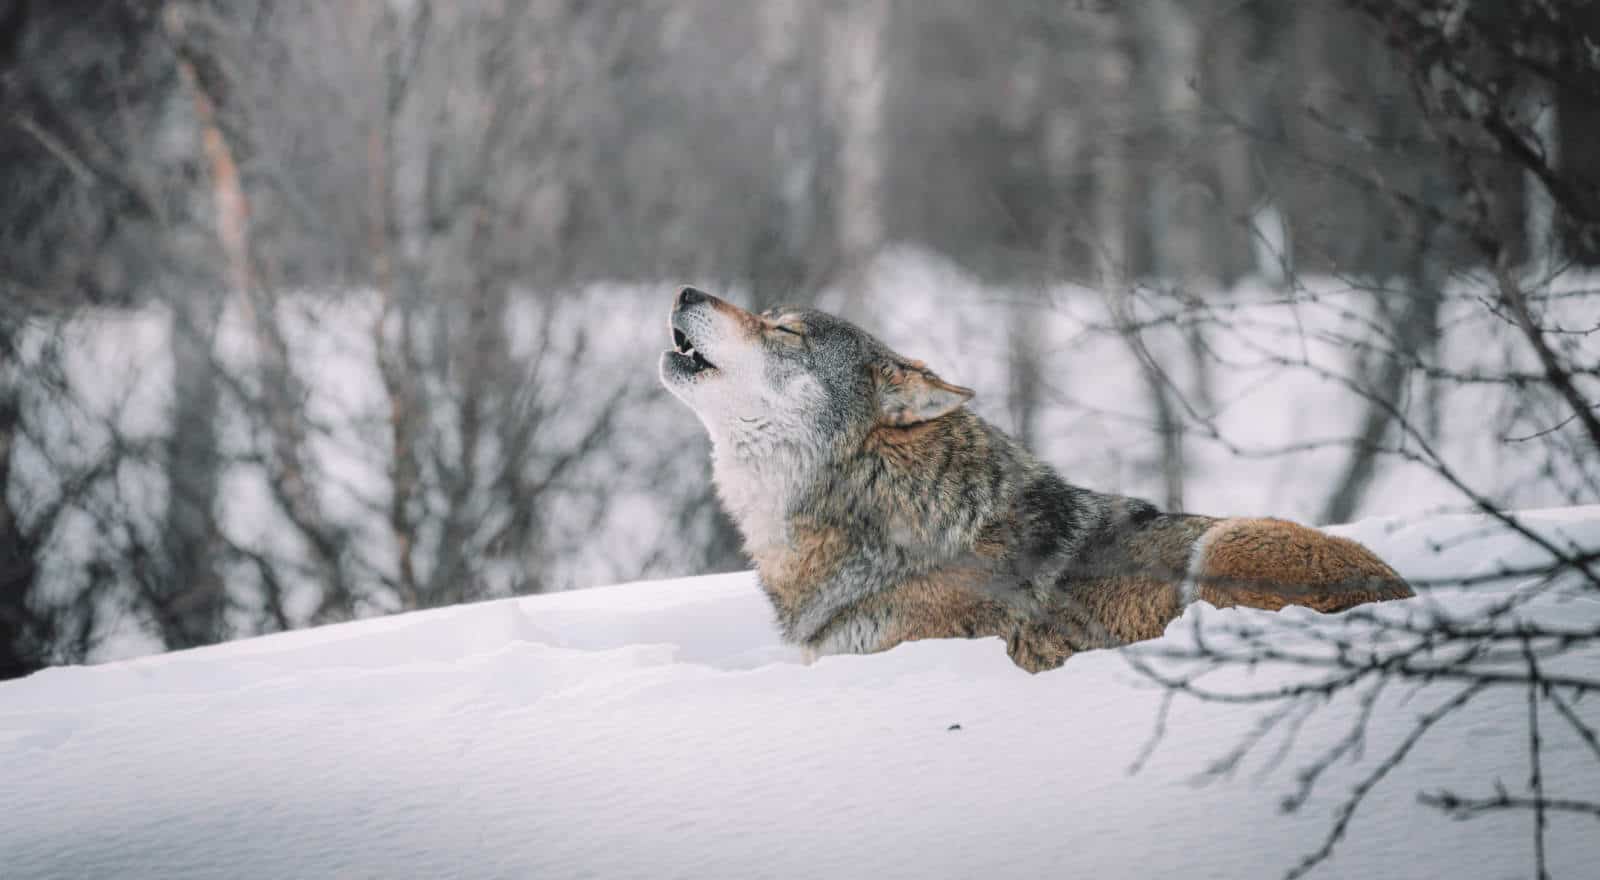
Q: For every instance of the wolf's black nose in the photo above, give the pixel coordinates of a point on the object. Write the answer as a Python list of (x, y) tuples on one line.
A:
[(689, 296)]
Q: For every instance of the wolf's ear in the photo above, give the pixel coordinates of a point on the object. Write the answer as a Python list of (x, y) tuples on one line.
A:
[(909, 393)]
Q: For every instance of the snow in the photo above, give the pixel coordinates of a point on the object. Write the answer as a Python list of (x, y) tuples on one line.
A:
[(662, 730)]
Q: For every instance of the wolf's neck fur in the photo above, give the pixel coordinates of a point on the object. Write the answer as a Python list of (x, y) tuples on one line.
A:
[(758, 475), (756, 495)]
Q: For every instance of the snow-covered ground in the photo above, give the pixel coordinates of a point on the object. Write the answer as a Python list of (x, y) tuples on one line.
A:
[(662, 730)]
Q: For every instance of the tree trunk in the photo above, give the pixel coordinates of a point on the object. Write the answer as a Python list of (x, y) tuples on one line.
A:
[(1025, 371), (789, 254), (22, 638), (857, 84), (1113, 221), (1414, 331), (1184, 237), (1543, 242), (188, 593)]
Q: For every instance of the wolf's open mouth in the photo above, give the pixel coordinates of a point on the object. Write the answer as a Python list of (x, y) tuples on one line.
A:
[(681, 342)]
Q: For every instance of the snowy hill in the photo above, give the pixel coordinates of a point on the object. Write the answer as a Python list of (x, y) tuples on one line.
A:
[(661, 730)]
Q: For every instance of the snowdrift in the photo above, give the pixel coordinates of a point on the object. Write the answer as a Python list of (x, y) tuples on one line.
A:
[(662, 730)]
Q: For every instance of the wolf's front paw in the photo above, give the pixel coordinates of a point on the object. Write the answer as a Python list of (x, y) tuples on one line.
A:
[(1036, 647)]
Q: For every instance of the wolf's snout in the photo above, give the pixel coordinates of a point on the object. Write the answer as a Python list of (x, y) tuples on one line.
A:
[(688, 328), (689, 296)]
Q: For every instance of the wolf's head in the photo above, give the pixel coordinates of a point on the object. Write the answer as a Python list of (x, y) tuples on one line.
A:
[(791, 378)]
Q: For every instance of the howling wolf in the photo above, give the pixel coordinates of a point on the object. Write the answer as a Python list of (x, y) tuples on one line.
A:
[(878, 509)]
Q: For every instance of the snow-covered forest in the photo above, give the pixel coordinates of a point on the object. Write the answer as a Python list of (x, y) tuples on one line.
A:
[(319, 311)]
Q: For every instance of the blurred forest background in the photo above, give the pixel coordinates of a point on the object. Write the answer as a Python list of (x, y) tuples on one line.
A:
[(319, 309)]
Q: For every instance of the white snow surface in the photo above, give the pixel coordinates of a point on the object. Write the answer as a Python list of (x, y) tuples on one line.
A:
[(663, 730)]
